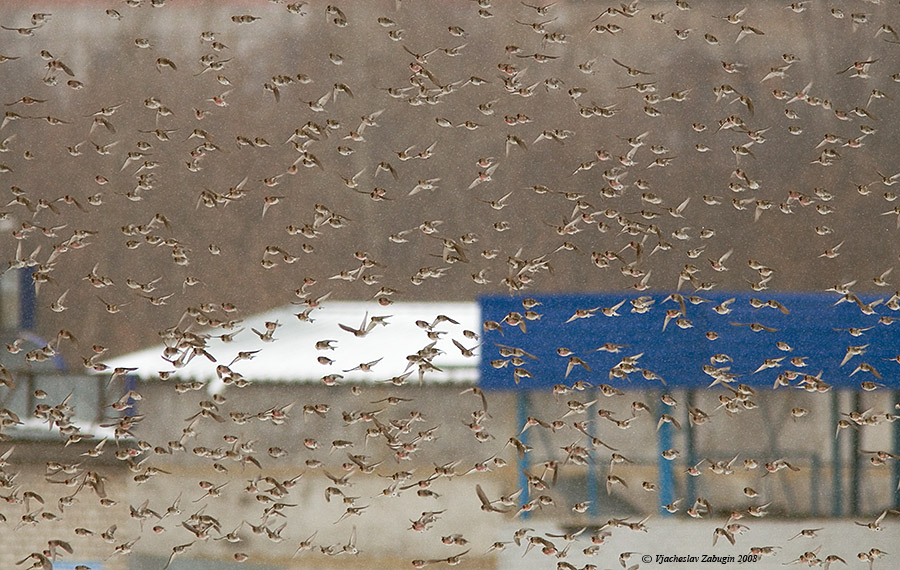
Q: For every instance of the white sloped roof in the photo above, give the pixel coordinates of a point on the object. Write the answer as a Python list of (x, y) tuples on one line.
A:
[(292, 355)]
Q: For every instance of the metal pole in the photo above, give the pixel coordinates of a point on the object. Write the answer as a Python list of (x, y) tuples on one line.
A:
[(522, 416), (666, 475), (816, 475), (690, 451), (837, 501), (130, 385), (27, 300), (592, 479), (30, 388), (895, 466), (855, 473), (101, 398)]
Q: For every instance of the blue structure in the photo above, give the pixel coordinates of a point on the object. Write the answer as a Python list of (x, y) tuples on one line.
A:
[(681, 340), (677, 354), (27, 300)]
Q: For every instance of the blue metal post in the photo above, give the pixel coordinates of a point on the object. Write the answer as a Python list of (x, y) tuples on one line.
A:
[(522, 416), (665, 473), (130, 384), (27, 300), (690, 452)]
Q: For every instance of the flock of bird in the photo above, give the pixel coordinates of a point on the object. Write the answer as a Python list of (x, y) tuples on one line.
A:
[(416, 150)]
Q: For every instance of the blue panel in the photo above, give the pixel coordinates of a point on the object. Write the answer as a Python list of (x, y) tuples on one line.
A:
[(27, 300), (678, 354), (666, 473)]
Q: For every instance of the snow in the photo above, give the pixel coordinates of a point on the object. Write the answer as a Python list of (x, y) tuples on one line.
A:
[(291, 355)]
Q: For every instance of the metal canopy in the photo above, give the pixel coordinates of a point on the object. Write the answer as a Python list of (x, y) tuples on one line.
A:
[(679, 353)]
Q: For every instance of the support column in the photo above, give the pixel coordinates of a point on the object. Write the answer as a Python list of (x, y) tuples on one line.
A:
[(522, 417), (27, 300), (855, 471), (690, 449), (895, 465), (666, 475), (837, 491)]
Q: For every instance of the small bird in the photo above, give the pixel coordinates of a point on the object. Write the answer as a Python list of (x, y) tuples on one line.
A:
[(584, 313), (486, 504), (875, 524), (718, 264), (724, 533), (611, 311), (573, 362), (807, 533), (59, 306), (365, 366), (164, 62), (755, 327), (364, 328), (269, 201), (633, 72), (853, 351)]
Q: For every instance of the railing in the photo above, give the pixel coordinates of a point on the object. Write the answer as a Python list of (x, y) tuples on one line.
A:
[(840, 481)]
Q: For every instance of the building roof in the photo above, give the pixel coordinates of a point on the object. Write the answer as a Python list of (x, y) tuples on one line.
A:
[(292, 356), (720, 338)]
